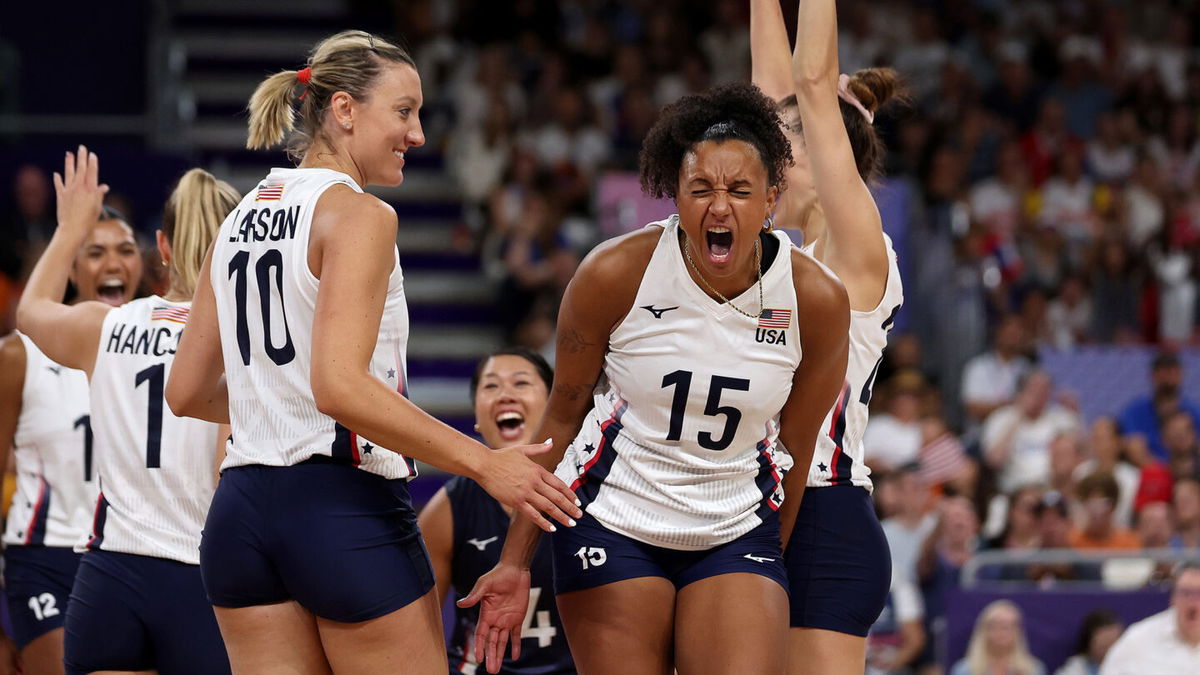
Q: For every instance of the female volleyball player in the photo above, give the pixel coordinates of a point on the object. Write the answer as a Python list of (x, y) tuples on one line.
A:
[(138, 602), (838, 561), (464, 528), (311, 552), (716, 341), (44, 420)]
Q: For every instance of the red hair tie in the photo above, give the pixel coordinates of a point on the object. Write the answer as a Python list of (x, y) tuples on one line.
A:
[(304, 75)]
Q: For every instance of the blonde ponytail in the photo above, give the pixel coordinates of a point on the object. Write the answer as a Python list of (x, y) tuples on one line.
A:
[(271, 116), (349, 61), (191, 218)]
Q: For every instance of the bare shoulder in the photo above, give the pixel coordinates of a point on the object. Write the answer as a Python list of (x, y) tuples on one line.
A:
[(12, 353), (342, 206), (817, 287), (622, 260)]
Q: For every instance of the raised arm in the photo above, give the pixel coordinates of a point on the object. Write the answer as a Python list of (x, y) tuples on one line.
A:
[(196, 387), (854, 248), (12, 386), (770, 54), (823, 314), (586, 318), (354, 236), (68, 334)]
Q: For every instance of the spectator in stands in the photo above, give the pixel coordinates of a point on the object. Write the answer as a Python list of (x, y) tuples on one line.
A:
[(1069, 313), (1145, 415), (478, 156), (998, 644), (989, 380), (1016, 438), (1065, 458), (944, 552), (29, 227), (1017, 522), (1179, 440), (1047, 140), (1099, 631), (907, 529), (1167, 642), (1054, 532), (1154, 526), (997, 202), (1098, 495), (726, 43), (897, 636), (1110, 156), (1144, 215), (893, 437), (1185, 505), (1104, 455), (1067, 203)]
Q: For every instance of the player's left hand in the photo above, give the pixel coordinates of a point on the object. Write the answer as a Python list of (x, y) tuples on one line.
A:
[(503, 598), (79, 191)]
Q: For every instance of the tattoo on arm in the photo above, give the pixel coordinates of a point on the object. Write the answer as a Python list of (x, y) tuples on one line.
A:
[(573, 343)]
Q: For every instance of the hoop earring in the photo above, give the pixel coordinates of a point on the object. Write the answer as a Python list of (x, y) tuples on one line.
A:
[(769, 223)]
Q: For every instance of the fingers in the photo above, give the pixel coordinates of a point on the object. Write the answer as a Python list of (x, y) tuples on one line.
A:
[(515, 641), (561, 489), (496, 648), (58, 183), (472, 598), (537, 517), (480, 641), (540, 449), (69, 168), (93, 168), (558, 506)]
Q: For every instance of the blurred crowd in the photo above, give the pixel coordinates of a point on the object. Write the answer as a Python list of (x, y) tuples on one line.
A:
[(1052, 156)]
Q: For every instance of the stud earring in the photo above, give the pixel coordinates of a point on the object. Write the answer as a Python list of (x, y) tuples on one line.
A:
[(476, 428), (345, 125)]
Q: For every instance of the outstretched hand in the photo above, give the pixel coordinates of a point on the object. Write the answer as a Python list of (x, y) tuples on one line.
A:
[(80, 194), (526, 487), (503, 598)]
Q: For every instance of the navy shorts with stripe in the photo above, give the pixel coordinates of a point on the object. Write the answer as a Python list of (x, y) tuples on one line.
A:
[(590, 555), (839, 565), (340, 541), (134, 612), (37, 585)]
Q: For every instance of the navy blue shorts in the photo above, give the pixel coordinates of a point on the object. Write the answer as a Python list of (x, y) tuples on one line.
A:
[(838, 563), (134, 612), (340, 541), (590, 555), (37, 583)]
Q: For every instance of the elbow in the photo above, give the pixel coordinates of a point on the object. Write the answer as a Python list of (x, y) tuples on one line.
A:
[(329, 396), (179, 400)]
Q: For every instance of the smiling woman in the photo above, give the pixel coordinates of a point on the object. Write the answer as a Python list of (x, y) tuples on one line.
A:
[(688, 353)]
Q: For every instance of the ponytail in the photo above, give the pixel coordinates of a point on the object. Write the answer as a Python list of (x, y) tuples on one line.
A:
[(191, 218)]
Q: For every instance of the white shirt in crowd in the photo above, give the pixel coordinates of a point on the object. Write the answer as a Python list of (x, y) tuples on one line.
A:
[(890, 442), (1029, 459), (988, 379), (1152, 645)]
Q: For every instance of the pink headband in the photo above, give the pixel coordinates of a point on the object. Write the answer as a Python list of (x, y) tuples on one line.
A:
[(845, 94)]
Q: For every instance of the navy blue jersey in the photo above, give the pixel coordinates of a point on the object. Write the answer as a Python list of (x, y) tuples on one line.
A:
[(480, 524)]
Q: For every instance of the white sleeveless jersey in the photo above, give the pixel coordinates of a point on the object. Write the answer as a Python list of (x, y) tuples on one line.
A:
[(680, 448), (56, 486), (157, 471), (839, 456), (266, 298)]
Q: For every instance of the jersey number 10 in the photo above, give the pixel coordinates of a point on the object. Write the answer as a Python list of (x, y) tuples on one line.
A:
[(239, 265)]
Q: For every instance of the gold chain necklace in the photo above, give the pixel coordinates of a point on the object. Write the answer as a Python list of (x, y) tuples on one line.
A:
[(687, 253)]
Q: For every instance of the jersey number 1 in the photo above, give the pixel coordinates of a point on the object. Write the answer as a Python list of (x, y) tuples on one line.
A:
[(239, 271)]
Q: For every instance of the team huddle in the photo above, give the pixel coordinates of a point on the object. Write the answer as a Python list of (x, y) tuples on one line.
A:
[(240, 503)]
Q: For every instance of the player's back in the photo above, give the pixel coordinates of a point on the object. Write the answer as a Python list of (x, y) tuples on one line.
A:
[(157, 471), (480, 525), (266, 300), (52, 444), (839, 458)]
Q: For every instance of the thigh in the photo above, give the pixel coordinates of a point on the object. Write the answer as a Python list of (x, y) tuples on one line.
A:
[(622, 628), (104, 627), (838, 562), (731, 623), (44, 655), (183, 628), (278, 639), (406, 640), (37, 586), (814, 651)]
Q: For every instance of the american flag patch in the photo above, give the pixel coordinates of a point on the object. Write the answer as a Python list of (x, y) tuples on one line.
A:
[(269, 192), (176, 314), (775, 318)]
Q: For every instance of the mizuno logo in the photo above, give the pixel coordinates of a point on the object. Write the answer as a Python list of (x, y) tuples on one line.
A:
[(755, 558), (481, 544), (658, 312), (57, 370)]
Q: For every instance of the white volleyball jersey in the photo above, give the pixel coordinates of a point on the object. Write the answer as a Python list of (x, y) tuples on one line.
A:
[(157, 471), (839, 456), (266, 299), (680, 449), (56, 487)]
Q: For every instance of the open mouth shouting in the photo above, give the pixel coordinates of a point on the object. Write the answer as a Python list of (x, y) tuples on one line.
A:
[(718, 241), (511, 425), (111, 292)]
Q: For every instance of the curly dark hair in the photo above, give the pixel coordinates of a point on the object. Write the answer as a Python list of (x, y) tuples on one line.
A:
[(730, 111)]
